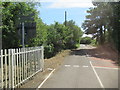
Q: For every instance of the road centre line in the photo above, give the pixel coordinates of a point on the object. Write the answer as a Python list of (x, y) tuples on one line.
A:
[(85, 66), (45, 79), (76, 66), (67, 65), (97, 76)]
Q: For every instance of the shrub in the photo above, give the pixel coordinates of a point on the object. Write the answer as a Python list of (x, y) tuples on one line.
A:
[(86, 40)]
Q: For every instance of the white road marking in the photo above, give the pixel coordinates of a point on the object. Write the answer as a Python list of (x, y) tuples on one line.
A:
[(97, 76), (46, 79), (85, 66), (50, 69), (105, 67), (67, 65), (76, 66)]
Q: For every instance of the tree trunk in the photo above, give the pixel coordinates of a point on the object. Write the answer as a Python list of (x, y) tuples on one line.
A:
[(101, 36)]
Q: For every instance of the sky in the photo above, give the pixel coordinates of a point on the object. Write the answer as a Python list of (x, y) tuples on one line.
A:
[(54, 10)]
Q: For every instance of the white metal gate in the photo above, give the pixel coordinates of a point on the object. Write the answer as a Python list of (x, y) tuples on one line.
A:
[(18, 65)]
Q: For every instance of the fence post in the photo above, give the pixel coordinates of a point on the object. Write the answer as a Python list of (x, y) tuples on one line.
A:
[(5, 53), (2, 69), (12, 69), (9, 53), (19, 51), (17, 67), (42, 57), (18, 63)]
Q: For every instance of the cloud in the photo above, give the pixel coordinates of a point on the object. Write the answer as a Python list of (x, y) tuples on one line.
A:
[(47, 0), (65, 0), (74, 0), (68, 1), (71, 4)]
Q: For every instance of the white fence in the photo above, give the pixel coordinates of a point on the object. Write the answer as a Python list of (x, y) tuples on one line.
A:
[(18, 65)]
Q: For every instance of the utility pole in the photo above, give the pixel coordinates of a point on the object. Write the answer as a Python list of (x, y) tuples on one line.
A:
[(23, 35), (65, 18)]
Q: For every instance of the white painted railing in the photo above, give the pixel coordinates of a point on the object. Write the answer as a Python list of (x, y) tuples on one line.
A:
[(18, 65)]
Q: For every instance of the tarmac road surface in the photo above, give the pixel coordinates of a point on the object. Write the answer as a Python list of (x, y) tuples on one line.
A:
[(80, 71)]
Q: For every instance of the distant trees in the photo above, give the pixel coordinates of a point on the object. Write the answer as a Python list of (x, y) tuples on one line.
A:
[(75, 32), (103, 22), (56, 37)]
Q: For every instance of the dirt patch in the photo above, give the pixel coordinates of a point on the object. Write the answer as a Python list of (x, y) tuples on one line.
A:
[(104, 52), (57, 60), (52, 63)]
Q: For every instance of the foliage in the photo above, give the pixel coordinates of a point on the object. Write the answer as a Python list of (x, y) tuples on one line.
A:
[(93, 42), (86, 40), (103, 22), (54, 37), (75, 33), (11, 17)]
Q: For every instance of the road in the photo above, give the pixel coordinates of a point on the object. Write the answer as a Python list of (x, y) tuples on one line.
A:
[(80, 71)]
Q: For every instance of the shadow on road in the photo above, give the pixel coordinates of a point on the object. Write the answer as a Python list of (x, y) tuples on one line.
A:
[(100, 53)]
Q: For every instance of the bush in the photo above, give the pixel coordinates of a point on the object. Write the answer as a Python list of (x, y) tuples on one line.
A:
[(48, 51), (57, 37), (93, 42), (86, 40)]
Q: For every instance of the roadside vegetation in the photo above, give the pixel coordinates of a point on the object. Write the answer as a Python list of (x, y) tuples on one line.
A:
[(86, 40), (54, 37), (103, 22)]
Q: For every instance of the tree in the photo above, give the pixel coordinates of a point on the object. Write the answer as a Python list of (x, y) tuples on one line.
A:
[(115, 24), (75, 33), (97, 21), (11, 16), (103, 22), (56, 37)]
